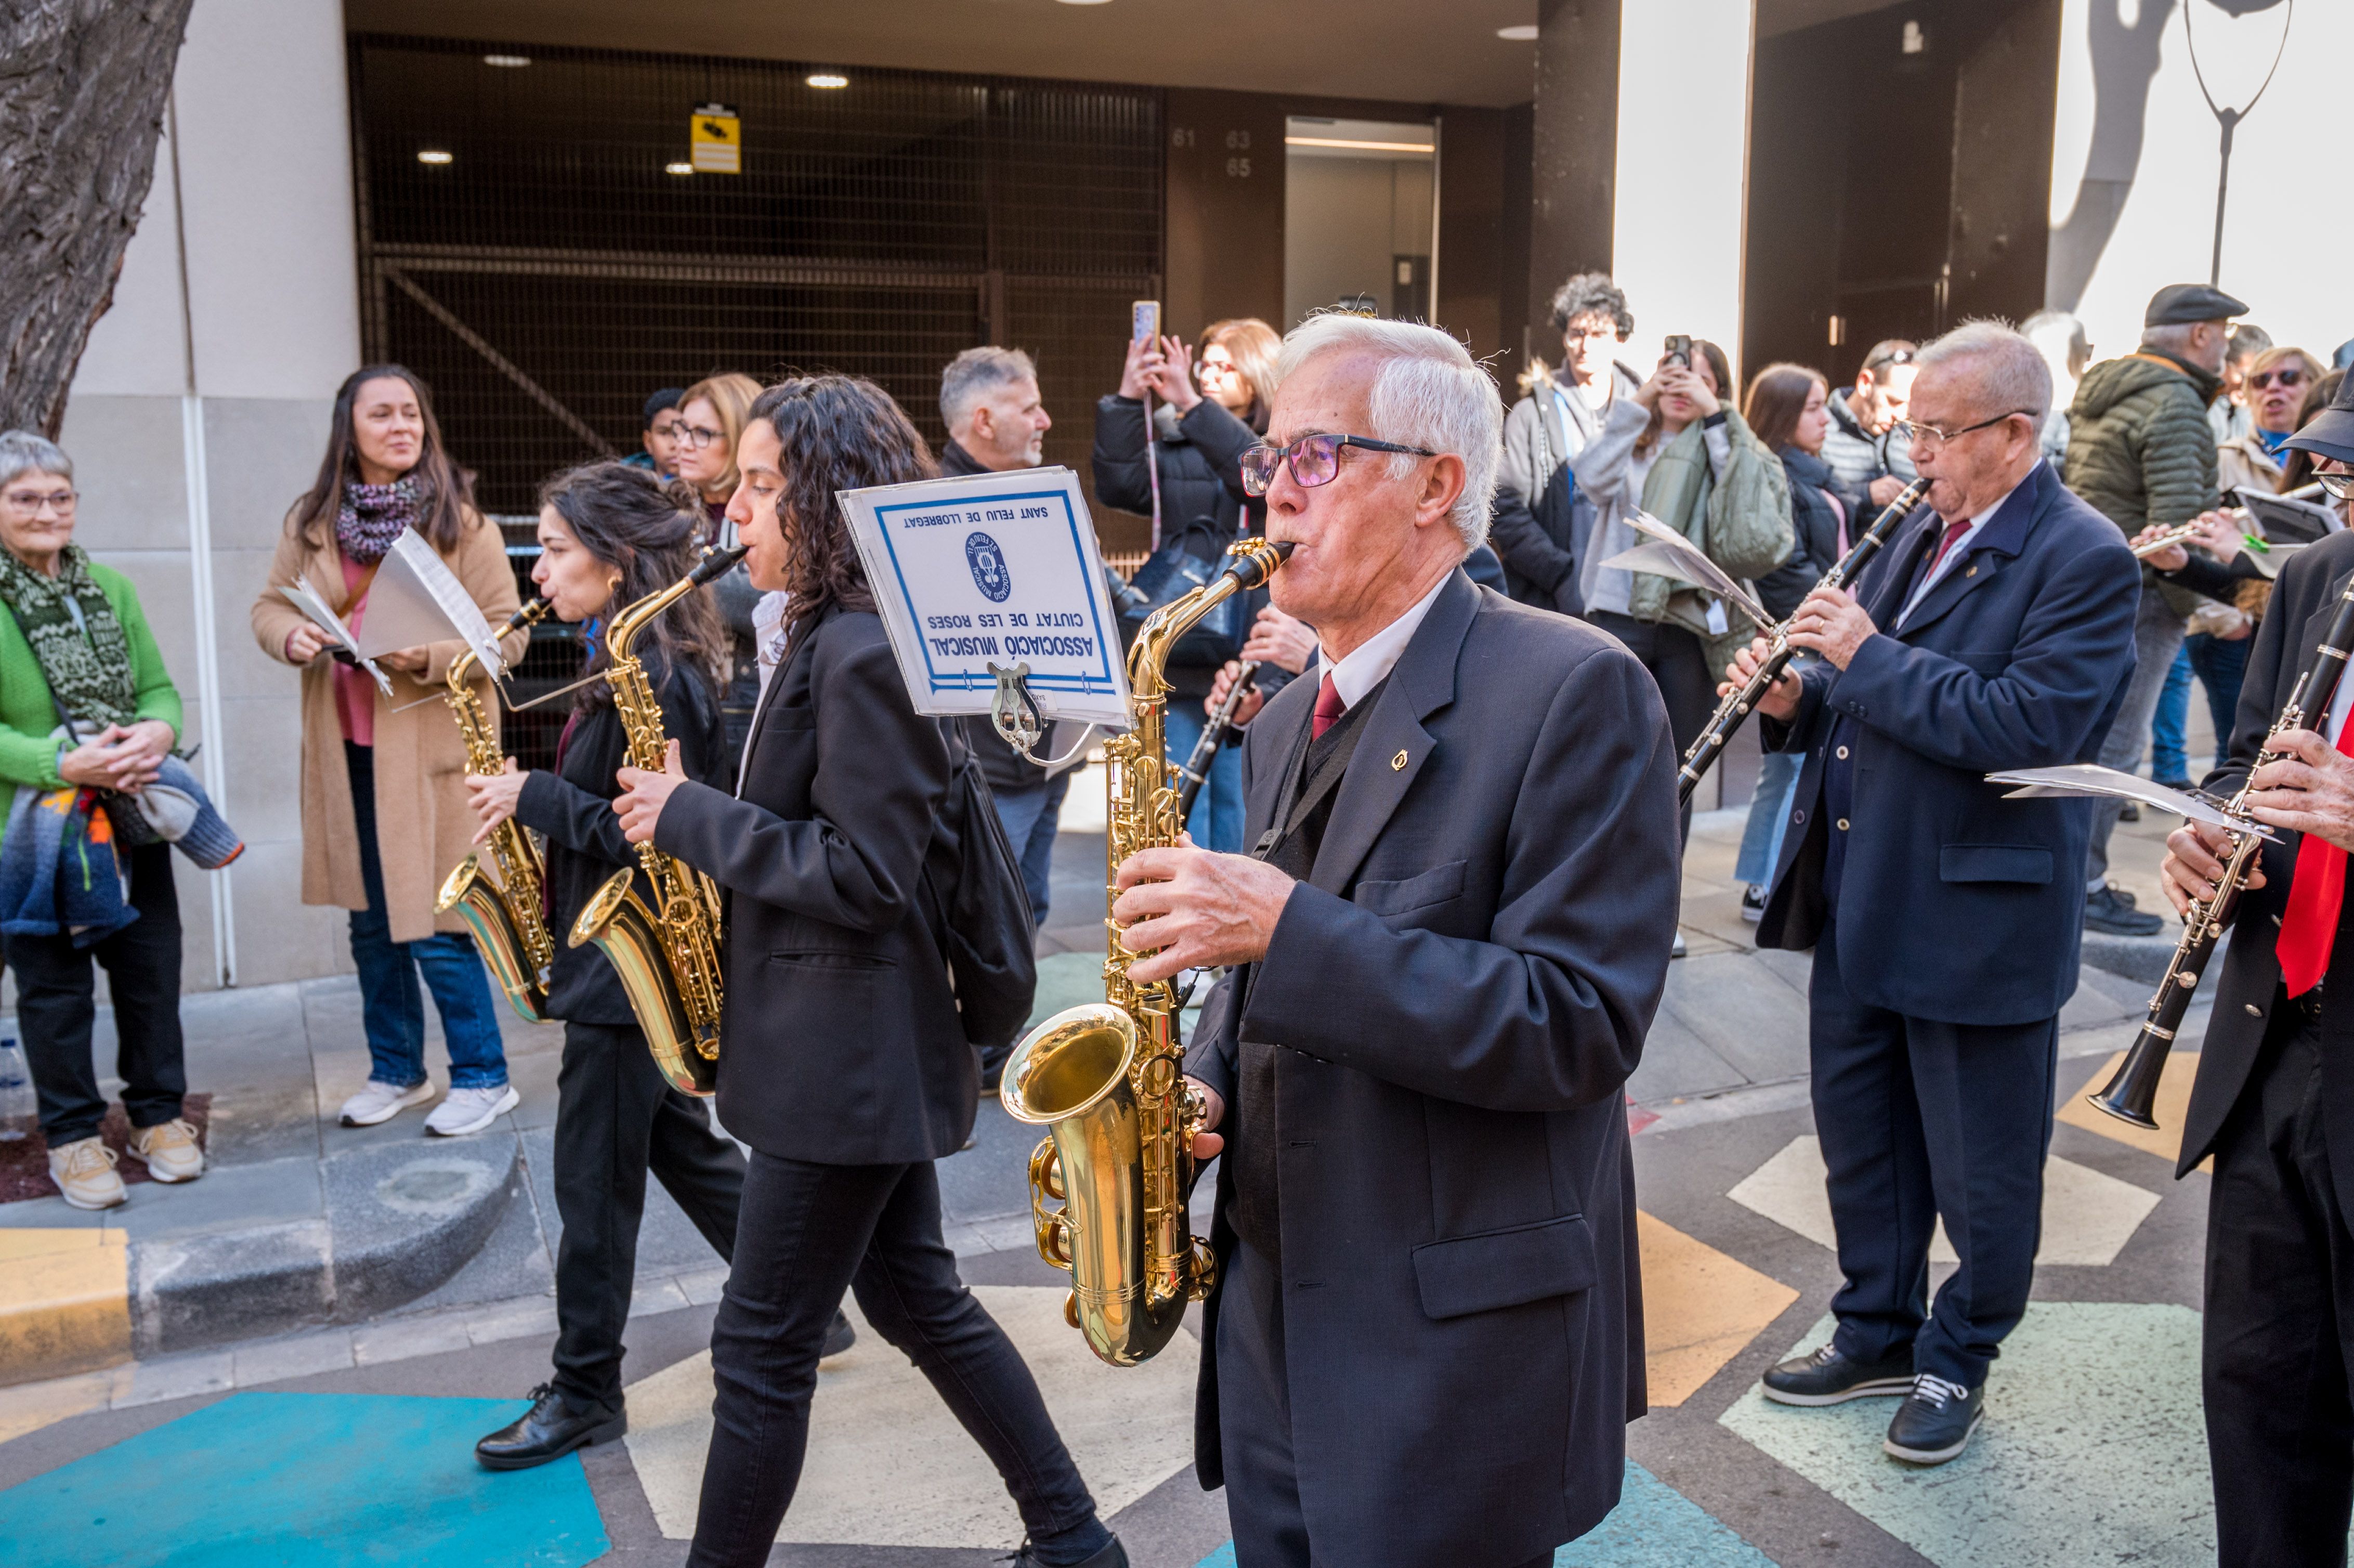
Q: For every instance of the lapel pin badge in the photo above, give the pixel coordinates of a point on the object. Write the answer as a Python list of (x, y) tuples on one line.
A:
[(1397, 763)]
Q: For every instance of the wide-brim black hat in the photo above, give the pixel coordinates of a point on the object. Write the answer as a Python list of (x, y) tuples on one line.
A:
[(2330, 433)]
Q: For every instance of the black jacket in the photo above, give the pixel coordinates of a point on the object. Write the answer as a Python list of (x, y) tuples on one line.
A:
[(2285, 643), (1814, 527), (1201, 466), (1459, 1000), (573, 805), (841, 1043)]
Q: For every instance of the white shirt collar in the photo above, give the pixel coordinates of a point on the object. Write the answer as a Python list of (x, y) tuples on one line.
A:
[(1958, 548), (1374, 658)]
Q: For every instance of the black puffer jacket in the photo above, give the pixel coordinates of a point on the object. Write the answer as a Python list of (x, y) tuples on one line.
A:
[(1814, 527), (1201, 464)]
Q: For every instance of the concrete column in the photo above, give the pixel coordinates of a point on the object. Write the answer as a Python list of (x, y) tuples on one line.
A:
[(199, 412), (1680, 198), (1574, 150)]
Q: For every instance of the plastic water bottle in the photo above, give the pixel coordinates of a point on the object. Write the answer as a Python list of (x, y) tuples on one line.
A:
[(19, 1109)]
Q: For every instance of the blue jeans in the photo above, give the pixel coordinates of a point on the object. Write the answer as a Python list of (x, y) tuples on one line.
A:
[(1769, 811), (1030, 817), (1216, 819), (2169, 724), (2220, 667), (391, 1010)]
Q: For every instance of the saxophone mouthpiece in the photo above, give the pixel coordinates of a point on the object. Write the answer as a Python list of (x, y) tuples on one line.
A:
[(1255, 561), (715, 564)]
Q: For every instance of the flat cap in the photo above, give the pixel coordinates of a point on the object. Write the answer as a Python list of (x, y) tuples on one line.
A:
[(2330, 433), (2178, 304)]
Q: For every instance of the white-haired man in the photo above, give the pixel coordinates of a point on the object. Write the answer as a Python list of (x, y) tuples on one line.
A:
[(1995, 631), (1449, 942)]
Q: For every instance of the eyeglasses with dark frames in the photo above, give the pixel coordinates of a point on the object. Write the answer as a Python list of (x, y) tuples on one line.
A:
[(2340, 485), (696, 436), (1913, 430), (1313, 460)]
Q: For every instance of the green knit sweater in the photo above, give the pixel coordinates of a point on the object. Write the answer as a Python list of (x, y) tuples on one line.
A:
[(28, 755)]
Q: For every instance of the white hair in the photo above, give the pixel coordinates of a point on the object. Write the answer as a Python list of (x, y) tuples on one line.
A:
[(2006, 372), (1429, 393), (23, 452)]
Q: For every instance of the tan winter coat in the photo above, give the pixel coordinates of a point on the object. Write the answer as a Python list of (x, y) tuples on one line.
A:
[(423, 824)]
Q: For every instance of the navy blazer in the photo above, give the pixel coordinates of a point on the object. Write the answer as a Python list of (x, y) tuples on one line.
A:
[(1462, 987), (1956, 904)]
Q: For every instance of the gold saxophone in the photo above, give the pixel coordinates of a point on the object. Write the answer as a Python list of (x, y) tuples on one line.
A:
[(509, 918), (667, 957), (1104, 1078)]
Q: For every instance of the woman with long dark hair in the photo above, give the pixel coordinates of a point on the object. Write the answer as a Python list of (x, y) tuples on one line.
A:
[(842, 1060), (610, 535), (380, 769)]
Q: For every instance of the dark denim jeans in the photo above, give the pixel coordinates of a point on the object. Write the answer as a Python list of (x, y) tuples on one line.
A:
[(392, 1013), (1216, 819)]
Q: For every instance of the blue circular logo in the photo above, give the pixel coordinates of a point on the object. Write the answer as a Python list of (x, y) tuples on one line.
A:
[(988, 563)]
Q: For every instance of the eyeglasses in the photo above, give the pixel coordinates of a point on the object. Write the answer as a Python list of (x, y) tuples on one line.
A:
[(2285, 379), (31, 503), (1313, 460), (696, 436), (2340, 486), (1914, 432)]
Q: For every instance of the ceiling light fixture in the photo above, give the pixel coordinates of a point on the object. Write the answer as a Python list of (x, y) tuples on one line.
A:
[(1525, 33), (1084, 2), (827, 79), (434, 155), (1355, 146), (678, 168), (509, 61)]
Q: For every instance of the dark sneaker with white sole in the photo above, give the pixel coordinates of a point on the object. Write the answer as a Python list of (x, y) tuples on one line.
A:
[(1935, 1423), (1826, 1377)]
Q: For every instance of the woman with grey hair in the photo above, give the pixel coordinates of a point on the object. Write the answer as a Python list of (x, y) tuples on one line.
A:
[(86, 708)]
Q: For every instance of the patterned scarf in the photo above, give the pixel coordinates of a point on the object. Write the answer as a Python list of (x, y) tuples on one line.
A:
[(374, 515), (81, 647)]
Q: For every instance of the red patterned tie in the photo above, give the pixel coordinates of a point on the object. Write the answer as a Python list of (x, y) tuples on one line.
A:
[(1953, 531), (2316, 894), (1328, 711)]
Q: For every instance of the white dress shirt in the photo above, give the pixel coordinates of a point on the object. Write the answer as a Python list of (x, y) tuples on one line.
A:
[(1954, 553), (1374, 658)]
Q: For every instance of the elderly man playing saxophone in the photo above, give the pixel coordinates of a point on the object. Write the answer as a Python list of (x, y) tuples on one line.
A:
[(1448, 943)]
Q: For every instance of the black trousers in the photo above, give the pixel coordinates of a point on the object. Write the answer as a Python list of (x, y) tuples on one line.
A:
[(2278, 1332), (617, 1119), (809, 1232), (1254, 1423), (1920, 1117), (57, 1005), (1678, 662)]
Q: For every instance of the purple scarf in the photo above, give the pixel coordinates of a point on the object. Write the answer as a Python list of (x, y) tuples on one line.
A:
[(374, 515)]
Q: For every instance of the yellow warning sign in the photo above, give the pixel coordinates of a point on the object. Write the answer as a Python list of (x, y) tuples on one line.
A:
[(715, 140)]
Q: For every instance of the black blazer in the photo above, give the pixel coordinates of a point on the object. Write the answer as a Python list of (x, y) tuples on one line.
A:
[(841, 1043), (573, 805), (2283, 648), (1463, 986), (1959, 905)]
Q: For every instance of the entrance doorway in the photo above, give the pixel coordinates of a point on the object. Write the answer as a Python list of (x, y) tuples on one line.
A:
[(1359, 215)]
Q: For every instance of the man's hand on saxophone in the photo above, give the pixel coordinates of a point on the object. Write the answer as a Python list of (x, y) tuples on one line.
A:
[(1190, 909), (492, 797), (645, 794)]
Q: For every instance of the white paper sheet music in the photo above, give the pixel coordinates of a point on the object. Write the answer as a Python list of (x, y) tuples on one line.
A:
[(313, 604), (416, 598)]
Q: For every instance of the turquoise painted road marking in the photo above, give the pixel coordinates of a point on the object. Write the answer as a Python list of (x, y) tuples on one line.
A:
[(306, 1480), (1654, 1526)]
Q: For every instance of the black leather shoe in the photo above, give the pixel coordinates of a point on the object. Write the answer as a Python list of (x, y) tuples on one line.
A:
[(839, 1338), (2111, 912), (1112, 1556), (1935, 1423), (550, 1429), (1826, 1377)]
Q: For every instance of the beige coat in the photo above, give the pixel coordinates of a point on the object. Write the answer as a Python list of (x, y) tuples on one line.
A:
[(423, 824)]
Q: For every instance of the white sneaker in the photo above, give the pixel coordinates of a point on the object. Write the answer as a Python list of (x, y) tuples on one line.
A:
[(84, 1172), (378, 1102), (462, 1111), (169, 1150)]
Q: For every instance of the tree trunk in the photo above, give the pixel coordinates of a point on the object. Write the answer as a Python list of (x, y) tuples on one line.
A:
[(82, 87)]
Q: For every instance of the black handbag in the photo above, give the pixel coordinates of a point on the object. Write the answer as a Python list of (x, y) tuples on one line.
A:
[(979, 907)]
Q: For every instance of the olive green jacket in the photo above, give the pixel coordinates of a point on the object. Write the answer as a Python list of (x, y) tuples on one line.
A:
[(2140, 450), (1741, 521)]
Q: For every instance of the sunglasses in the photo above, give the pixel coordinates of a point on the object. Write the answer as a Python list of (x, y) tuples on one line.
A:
[(2281, 378), (1313, 460)]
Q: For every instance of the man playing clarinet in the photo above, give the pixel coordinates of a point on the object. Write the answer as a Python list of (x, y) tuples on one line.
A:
[(2273, 1101), (1995, 631)]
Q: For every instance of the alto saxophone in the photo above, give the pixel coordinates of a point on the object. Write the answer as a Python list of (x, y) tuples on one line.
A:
[(1104, 1078), (667, 957), (509, 918)]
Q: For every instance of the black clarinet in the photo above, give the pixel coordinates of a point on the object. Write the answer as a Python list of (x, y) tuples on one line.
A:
[(1196, 768), (2132, 1092), (1734, 711)]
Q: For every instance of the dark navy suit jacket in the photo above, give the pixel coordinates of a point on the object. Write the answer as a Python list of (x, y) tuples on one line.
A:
[(1461, 988), (1956, 904)]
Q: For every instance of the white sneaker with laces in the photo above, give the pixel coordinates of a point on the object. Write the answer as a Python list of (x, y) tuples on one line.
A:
[(169, 1150), (84, 1172), (378, 1101), (462, 1111)]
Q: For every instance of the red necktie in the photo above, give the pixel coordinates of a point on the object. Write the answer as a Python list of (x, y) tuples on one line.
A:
[(2316, 894), (1953, 531), (1328, 711)]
